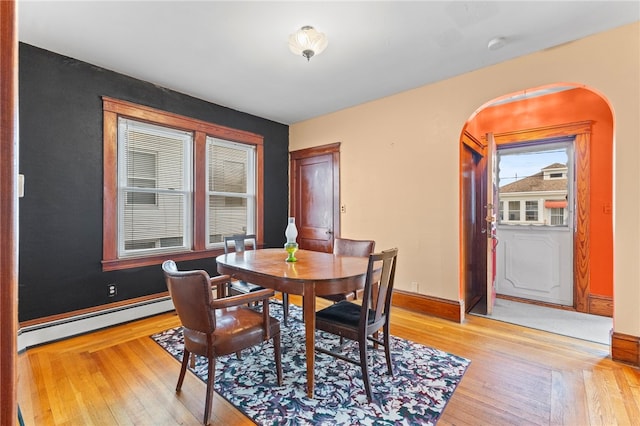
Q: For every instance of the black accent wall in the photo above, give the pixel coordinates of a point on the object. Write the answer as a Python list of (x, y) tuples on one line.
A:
[(60, 216)]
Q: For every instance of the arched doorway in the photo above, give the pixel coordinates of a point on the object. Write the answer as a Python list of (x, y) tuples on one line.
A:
[(562, 110)]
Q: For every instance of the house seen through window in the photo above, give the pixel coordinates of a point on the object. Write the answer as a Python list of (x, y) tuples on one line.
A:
[(534, 184)]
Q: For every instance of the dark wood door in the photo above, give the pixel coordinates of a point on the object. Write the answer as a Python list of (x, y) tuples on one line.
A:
[(474, 239), (315, 196)]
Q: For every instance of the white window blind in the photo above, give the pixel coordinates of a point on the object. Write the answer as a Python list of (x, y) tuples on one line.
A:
[(154, 188), (231, 183), (142, 173)]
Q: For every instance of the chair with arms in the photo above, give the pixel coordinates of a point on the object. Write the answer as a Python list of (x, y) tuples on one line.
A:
[(239, 243), (362, 323), (347, 247), (221, 326)]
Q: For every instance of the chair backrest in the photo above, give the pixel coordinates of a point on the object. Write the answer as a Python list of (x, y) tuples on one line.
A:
[(191, 295), (347, 247), (239, 242), (378, 289)]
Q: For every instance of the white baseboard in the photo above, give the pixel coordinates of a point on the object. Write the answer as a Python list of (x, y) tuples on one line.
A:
[(72, 326)]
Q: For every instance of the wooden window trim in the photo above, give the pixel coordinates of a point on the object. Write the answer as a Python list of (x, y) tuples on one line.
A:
[(114, 108)]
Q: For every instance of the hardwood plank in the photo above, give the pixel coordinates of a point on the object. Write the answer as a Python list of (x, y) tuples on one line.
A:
[(629, 382), (568, 399), (119, 376)]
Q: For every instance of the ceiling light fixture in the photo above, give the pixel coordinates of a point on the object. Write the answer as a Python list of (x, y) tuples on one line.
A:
[(307, 41)]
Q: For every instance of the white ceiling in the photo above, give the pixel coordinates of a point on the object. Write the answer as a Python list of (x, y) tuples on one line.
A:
[(235, 53)]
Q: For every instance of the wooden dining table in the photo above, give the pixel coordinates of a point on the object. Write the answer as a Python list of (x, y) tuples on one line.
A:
[(314, 274)]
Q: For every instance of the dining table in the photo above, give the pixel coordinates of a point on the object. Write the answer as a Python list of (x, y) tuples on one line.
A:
[(313, 274)]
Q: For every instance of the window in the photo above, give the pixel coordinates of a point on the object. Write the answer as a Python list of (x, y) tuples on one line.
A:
[(231, 189), (175, 185), (155, 171), (531, 211), (514, 210), (557, 216)]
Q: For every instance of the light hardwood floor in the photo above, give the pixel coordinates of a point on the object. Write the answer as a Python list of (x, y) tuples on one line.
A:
[(517, 376)]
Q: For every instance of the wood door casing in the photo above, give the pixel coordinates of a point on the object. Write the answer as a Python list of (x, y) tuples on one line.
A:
[(315, 196), (8, 211), (491, 186)]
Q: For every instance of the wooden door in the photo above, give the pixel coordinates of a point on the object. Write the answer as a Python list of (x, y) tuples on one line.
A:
[(474, 241), (315, 196)]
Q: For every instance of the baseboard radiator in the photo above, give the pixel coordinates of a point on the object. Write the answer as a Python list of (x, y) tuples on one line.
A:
[(50, 331)]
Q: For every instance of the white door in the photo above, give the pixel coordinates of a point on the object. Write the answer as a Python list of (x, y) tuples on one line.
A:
[(534, 257)]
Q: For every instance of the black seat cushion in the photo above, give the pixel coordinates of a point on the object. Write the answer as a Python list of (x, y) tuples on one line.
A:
[(343, 312)]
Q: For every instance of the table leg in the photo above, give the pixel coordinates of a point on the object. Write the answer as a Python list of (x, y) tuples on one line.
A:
[(309, 310)]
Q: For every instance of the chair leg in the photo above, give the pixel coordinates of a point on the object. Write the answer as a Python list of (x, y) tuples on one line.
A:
[(362, 346), (278, 354), (211, 378), (387, 348), (376, 337), (285, 308), (183, 369)]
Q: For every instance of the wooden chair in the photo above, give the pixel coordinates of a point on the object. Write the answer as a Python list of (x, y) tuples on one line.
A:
[(221, 326), (347, 247), (362, 323), (239, 243)]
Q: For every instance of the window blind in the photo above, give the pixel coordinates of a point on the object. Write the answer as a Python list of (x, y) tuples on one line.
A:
[(230, 189), (154, 188)]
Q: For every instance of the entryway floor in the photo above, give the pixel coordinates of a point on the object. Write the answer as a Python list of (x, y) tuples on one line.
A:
[(594, 328)]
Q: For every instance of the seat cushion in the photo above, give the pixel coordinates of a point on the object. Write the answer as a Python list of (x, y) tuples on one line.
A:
[(343, 312), (236, 328)]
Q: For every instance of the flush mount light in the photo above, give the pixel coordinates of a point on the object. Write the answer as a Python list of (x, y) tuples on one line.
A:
[(307, 41)]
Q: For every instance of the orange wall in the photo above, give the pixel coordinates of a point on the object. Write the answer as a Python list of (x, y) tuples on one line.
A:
[(561, 108)]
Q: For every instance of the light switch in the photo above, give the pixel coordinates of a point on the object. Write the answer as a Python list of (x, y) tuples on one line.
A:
[(20, 186)]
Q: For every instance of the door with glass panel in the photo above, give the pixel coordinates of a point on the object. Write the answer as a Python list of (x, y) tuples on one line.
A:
[(535, 226)]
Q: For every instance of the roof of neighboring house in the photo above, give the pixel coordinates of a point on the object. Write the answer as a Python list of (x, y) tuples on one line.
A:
[(537, 182), (555, 166)]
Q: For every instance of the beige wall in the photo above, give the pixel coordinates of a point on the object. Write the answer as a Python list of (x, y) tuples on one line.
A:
[(400, 160)]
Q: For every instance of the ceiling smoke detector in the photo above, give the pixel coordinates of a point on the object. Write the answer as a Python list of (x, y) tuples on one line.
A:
[(496, 43)]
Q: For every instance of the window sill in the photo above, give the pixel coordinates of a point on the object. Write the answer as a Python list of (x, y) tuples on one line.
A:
[(136, 262)]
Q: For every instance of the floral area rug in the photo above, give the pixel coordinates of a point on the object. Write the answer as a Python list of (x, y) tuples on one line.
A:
[(424, 380)]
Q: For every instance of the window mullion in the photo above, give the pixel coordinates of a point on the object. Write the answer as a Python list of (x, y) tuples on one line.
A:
[(199, 191)]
